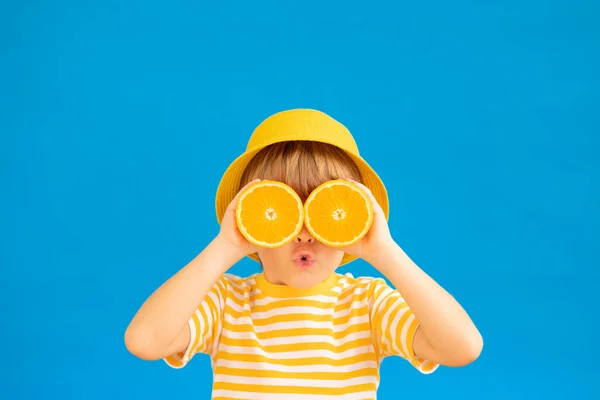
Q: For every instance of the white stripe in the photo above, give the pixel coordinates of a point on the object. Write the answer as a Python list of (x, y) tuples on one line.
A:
[(218, 304), (236, 307), (387, 291), (386, 316), (240, 291), (287, 355), (320, 383), (359, 319), (290, 310), (357, 291), (289, 396), (298, 339), (189, 351), (345, 300), (336, 289), (266, 366), (323, 308), (202, 324), (267, 300), (343, 282), (356, 305), (387, 337), (277, 311), (215, 341), (404, 334), (361, 282), (237, 295), (240, 283), (224, 289), (393, 330)]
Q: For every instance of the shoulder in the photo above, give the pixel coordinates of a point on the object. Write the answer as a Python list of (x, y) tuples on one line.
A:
[(360, 284), (235, 283)]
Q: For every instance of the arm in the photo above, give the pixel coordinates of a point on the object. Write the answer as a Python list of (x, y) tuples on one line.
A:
[(163, 325), (160, 327), (446, 335)]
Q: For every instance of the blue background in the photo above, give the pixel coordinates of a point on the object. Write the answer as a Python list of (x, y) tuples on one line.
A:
[(117, 119)]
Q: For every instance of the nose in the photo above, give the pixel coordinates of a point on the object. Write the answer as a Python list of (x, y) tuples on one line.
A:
[(304, 236)]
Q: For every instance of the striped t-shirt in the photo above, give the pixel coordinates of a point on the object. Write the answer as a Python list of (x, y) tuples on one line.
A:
[(270, 341)]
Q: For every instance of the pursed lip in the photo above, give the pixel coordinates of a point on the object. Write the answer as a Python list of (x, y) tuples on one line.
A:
[(302, 254)]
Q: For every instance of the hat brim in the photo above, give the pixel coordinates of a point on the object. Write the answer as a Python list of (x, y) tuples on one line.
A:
[(230, 182)]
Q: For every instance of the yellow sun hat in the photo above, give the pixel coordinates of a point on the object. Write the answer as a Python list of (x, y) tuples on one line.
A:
[(297, 125)]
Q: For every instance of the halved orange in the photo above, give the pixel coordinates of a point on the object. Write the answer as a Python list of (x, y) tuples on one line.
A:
[(269, 214), (338, 213)]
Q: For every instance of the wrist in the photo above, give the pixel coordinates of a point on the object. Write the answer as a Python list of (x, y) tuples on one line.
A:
[(385, 256), (229, 253)]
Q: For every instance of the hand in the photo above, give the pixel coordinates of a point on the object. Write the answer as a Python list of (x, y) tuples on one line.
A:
[(377, 237), (230, 234)]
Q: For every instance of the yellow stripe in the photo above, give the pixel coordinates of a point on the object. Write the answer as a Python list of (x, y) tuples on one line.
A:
[(410, 336), (201, 334), (172, 361), (289, 303), (278, 333), (212, 306), (295, 362), (354, 298), (296, 375), (257, 295), (294, 347), (296, 317), (197, 341), (351, 292), (331, 391)]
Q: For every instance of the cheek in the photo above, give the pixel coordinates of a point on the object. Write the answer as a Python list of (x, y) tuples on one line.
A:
[(269, 255), (335, 256)]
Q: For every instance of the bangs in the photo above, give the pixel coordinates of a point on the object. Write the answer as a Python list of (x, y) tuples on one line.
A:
[(301, 165)]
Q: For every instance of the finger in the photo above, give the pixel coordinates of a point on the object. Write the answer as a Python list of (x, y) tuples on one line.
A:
[(363, 187), (369, 194), (233, 203)]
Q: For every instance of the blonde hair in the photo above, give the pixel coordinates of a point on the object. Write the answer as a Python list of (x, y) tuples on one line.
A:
[(302, 165)]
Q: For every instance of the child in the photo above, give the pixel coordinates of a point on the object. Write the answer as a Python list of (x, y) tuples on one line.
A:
[(298, 333)]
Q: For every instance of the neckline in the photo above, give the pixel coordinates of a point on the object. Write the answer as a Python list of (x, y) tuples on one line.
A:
[(285, 291)]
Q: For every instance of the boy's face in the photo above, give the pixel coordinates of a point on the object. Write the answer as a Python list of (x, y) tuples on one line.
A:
[(301, 264)]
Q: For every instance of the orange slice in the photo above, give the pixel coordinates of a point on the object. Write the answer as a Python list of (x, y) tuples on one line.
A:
[(269, 214), (338, 213)]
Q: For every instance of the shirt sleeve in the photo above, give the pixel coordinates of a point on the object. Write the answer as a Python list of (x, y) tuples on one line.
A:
[(205, 326), (394, 326)]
